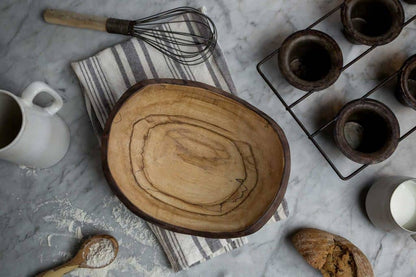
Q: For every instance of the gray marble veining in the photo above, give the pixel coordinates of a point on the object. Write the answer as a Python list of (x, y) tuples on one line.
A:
[(42, 212)]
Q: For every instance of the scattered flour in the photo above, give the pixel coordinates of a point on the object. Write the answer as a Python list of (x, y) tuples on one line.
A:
[(64, 254), (49, 240), (78, 233), (132, 225), (69, 221), (101, 253), (28, 171), (71, 226), (66, 216)]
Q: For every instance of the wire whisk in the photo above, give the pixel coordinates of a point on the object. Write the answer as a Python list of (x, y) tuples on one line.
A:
[(184, 34)]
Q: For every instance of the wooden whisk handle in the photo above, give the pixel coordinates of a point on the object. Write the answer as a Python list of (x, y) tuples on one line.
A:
[(77, 20), (99, 23)]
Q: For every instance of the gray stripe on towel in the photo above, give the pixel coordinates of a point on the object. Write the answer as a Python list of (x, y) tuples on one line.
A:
[(171, 247), (178, 246), (148, 59), (121, 67), (214, 244), (102, 117), (100, 71), (134, 61), (100, 89), (199, 246), (176, 262), (285, 207)]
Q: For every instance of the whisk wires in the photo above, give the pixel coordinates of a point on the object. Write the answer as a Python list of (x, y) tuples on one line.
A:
[(184, 34)]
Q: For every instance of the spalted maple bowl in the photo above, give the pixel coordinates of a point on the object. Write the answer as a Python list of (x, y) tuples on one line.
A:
[(194, 159)]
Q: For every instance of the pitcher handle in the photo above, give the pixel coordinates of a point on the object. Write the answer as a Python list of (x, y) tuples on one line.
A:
[(37, 87)]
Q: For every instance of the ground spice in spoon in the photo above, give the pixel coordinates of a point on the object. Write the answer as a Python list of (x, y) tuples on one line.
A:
[(101, 253)]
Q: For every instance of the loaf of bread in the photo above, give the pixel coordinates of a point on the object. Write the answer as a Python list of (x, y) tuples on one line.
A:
[(333, 255)]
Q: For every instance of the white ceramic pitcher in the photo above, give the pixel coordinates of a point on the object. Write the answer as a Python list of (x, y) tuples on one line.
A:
[(29, 134)]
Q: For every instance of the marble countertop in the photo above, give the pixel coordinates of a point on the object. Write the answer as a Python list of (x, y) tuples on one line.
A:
[(44, 213)]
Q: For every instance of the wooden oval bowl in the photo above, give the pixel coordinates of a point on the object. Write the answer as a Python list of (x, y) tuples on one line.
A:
[(194, 159)]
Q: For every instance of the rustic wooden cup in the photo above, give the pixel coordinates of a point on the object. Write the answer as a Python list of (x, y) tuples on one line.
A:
[(372, 22), (406, 92), (310, 60), (366, 131)]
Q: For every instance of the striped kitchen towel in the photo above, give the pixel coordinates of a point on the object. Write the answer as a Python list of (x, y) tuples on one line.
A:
[(105, 76)]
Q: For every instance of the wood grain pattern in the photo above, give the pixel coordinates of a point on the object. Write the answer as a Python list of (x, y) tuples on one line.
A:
[(71, 19), (194, 159), (191, 165)]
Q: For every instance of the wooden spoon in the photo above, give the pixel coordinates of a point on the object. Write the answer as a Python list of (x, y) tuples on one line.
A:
[(80, 259)]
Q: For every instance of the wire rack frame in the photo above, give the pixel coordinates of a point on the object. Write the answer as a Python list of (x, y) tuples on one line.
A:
[(312, 135)]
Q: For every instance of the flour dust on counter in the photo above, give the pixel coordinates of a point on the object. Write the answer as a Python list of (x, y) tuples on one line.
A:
[(68, 217), (131, 224), (70, 222), (28, 171)]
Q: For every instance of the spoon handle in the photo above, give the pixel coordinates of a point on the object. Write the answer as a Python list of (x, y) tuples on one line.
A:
[(59, 271)]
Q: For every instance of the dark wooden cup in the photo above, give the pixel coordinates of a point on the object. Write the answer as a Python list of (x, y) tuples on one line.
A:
[(367, 131), (406, 92), (372, 22), (310, 60)]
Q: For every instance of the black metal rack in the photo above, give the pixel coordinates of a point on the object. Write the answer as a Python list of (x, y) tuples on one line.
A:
[(289, 107)]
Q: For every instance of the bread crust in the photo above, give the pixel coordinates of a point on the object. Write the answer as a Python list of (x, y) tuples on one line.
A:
[(317, 248)]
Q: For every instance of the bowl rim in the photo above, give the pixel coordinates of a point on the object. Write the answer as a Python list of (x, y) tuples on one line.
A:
[(392, 34), (325, 40), (408, 67), (382, 110), (254, 227)]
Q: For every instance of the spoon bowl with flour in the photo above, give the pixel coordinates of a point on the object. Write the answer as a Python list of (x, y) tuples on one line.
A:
[(96, 252)]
